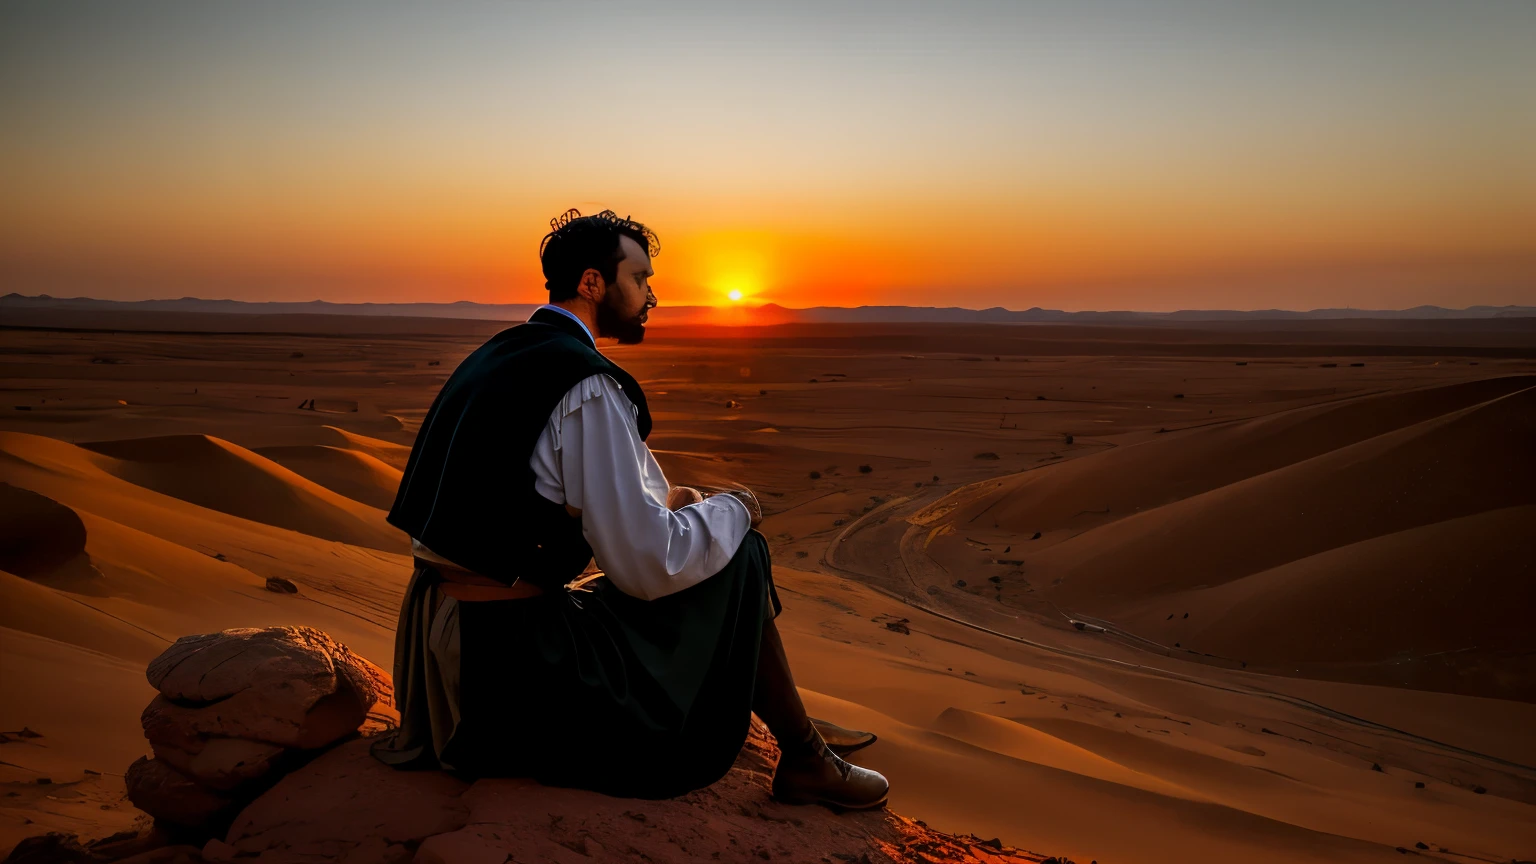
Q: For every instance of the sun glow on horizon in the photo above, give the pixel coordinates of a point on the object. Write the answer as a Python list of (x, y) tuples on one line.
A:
[(730, 266), (736, 287)]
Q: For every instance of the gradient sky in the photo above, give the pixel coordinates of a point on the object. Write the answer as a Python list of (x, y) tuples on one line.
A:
[(1075, 155)]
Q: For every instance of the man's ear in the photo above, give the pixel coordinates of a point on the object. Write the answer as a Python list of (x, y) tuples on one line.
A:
[(592, 285)]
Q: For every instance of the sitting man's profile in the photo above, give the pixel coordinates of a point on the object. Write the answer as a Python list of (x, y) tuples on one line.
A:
[(530, 463)]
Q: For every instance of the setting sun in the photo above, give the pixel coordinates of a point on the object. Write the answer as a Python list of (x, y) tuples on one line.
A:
[(735, 296)]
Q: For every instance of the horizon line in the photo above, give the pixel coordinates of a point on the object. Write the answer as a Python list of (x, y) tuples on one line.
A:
[(14, 295)]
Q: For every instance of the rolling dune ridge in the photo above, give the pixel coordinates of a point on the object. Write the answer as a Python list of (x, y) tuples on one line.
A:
[(211, 472), (351, 474), (1394, 546)]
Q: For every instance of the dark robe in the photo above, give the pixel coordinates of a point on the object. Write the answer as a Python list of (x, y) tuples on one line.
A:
[(590, 687), (467, 492)]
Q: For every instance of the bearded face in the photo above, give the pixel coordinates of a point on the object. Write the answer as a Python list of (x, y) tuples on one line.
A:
[(614, 323), (628, 301)]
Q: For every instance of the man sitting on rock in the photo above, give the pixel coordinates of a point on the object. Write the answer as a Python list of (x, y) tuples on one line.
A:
[(530, 462)]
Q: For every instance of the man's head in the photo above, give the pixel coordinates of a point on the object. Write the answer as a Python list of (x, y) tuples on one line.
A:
[(604, 260)]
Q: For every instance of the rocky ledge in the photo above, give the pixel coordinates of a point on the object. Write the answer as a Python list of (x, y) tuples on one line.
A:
[(247, 768), (239, 709), (346, 806)]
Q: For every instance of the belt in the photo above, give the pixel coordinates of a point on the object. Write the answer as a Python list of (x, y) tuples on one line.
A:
[(461, 584)]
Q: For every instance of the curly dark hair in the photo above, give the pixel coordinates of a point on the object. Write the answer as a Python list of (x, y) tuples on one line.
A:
[(577, 243)]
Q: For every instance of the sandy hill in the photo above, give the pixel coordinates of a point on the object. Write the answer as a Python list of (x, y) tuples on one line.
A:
[(1161, 469), (37, 534), (355, 466), (79, 622), (1008, 724), (218, 475), (1281, 538), (350, 473), (164, 566), (99, 574), (388, 452)]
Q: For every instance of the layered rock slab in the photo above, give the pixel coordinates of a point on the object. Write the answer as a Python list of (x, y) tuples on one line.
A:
[(291, 686), (238, 708)]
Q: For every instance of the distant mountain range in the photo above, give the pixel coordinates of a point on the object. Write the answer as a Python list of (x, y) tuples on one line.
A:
[(767, 314), (997, 314)]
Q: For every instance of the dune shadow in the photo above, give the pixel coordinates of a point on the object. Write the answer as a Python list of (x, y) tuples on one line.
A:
[(44, 541)]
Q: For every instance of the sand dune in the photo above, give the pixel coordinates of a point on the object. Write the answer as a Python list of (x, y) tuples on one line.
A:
[(1158, 470), (143, 592), (37, 533), (388, 452), (1282, 541), (216, 474), (1438, 606), (1064, 806), (351, 473), (949, 705), (1289, 508), (1027, 744), (114, 572), (1465, 462), (170, 565), (86, 706), (28, 607)]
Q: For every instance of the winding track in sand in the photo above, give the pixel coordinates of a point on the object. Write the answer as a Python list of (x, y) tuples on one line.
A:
[(878, 530)]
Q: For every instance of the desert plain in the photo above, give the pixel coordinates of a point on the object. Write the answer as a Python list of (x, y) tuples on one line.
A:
[(1257, 591)]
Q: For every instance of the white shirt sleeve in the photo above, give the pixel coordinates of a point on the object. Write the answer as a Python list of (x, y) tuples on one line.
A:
[(590, 457)]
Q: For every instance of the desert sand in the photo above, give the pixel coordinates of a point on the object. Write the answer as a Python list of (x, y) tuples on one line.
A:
[(1300, 555)]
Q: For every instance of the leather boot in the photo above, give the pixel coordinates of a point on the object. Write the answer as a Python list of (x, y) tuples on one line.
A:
[(816, 775)]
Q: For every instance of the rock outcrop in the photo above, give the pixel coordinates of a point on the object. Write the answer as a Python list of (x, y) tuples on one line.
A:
[(261, 738), (347, 807), (239, 708)]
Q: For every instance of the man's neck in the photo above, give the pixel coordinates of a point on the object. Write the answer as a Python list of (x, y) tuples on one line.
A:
[(584, 310)]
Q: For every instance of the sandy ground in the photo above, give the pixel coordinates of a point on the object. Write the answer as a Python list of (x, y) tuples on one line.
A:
[(1302, 556)]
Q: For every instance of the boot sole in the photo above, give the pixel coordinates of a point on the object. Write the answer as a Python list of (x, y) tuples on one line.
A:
[(829, 803), (845, 749)]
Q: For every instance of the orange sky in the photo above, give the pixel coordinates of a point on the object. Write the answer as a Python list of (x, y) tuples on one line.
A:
[(1078, 156)]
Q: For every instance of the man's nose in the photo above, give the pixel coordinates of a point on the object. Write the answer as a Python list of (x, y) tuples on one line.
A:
[(650, 298)]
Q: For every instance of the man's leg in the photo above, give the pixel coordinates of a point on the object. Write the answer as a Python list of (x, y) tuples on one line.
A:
[(808, 772), (775, 698)]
